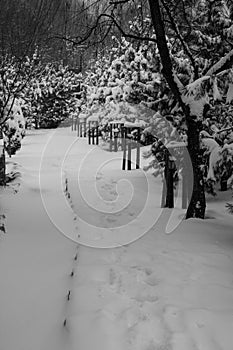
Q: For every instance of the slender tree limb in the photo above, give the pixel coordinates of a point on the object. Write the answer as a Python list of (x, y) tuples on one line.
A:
[(183, 43), (167, 69), (119, 2), (124, 34), (230, 43)]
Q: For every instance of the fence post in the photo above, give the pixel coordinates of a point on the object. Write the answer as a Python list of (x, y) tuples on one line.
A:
[(93, 135), (223, 182), (75, 123), (78, 126), (165, 180), (89, 133), (110, 137), (138, 149), (115, 138), (187, 183), (84, 127), (170, 182), (123, 133), (164, 191), (184, 186), (97, 133), (81, 129), (129, 154)]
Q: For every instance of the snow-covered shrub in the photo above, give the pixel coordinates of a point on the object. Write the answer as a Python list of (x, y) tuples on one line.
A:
[(12, 136), (224, 166), (217, 162), (52, 96), (123, 85), (13, 128)]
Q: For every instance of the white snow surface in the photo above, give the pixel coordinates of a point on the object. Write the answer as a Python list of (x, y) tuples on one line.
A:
[(213, 148), (161, 292)]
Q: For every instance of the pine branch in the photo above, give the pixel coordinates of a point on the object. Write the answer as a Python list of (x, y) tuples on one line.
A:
[(225, 62)]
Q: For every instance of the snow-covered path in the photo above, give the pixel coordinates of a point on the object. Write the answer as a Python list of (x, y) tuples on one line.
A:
[(170, 292), (35, 262), (161, 292)]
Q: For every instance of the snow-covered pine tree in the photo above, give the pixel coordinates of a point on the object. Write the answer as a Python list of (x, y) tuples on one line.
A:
[(192, 45)]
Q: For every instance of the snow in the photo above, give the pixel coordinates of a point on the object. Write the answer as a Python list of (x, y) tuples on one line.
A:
[(156, 291), (213, 148), (93, 118), (82, 116), (229, 93), (135, 124), (176, 144), (34, 260), (218, 66), (216, 93), (194, 97)]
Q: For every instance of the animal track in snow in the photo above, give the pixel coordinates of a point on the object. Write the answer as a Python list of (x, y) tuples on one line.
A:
[(152, 281)]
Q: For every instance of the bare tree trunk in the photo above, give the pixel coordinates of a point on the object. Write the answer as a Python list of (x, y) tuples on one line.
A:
[(2, 170), (197, 204), (2, 162)]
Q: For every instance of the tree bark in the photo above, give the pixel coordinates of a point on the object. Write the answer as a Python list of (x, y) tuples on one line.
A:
[(2, 161), (2, 170), (197, 204)]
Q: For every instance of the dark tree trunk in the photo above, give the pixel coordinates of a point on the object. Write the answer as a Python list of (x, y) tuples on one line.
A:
[(197, 204), (2, 161), (2, 170)]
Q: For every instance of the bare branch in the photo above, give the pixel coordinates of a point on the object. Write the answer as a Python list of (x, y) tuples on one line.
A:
[(113, 20), (119, 2), (163, 50), (183, 43)]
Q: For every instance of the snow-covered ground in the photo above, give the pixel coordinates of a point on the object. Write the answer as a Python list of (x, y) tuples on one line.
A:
[(75, 251)]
